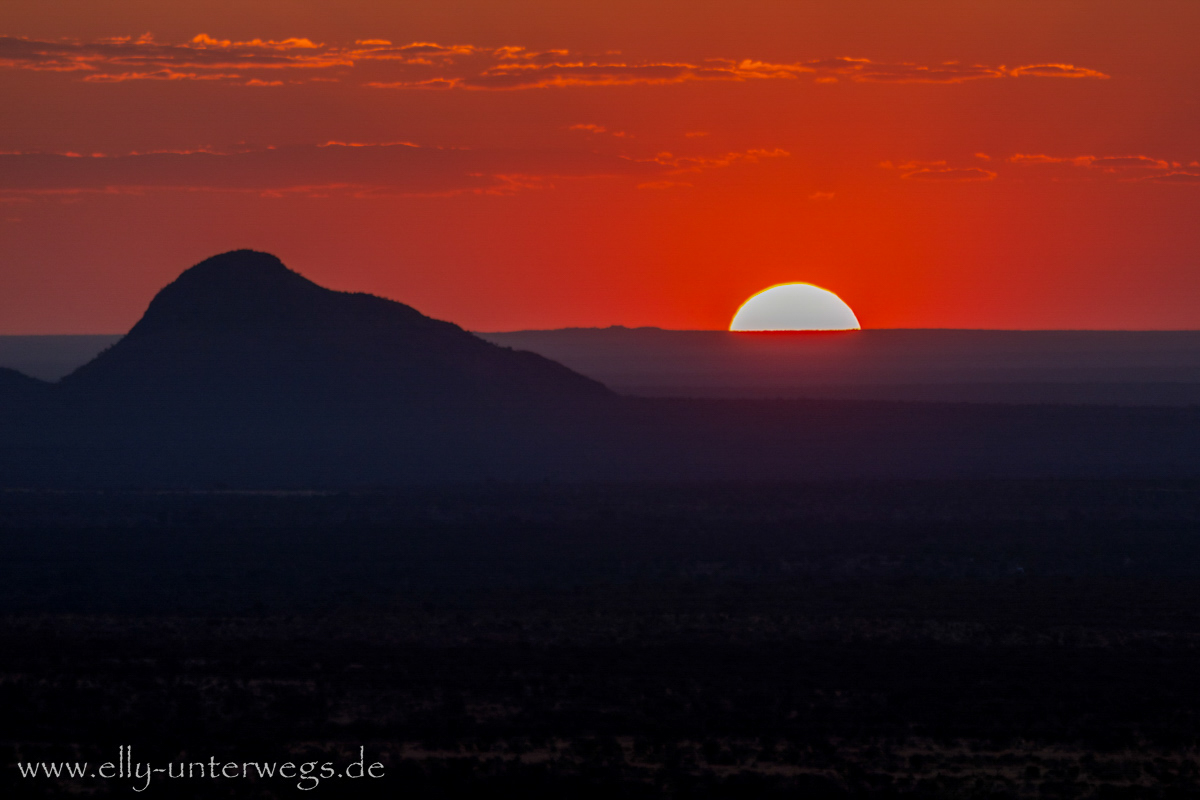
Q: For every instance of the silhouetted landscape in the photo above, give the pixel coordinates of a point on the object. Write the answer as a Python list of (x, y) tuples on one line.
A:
[(17, 385), (830, 639), (282, 520), (49, 358), (244, 374), (592, 400), (1151, 368), (1146, 368), (243, 325)]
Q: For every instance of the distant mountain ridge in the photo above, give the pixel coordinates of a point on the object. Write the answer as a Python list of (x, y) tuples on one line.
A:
[(1129, 368), (244, 374), (983, 366), (243, 325), (50, 357)]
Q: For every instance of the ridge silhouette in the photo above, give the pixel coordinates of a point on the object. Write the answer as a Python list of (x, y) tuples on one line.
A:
[(18, 385), (245, 374), (241, 324)]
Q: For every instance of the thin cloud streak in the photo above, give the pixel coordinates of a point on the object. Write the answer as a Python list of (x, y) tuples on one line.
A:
[(950, 174), (681, 164), (1124, 167), (540, 75), (358, 169), (1129, 168), (434, 66)]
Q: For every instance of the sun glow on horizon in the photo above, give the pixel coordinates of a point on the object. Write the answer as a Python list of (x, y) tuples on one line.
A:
[(794, 307)]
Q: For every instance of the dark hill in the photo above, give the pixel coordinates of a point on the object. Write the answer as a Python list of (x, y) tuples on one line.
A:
[(15, 384), (241, 324)]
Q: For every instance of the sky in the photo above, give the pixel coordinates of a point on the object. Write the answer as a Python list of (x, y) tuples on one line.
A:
[(521, 165)]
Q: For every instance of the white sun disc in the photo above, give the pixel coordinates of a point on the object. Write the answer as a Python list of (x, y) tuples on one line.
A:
[(794, 307)]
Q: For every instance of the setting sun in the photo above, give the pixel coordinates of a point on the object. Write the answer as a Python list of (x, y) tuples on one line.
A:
[(794, 307)]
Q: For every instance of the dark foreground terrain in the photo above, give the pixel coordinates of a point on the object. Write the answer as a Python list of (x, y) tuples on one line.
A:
[(836, 639), (182, 443)]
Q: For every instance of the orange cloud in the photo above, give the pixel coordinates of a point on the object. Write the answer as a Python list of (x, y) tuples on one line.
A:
[(160, 75), (431, 65), (204, 40), (72, 154), (356, 169), (1056, 71), (1127, 167), (679, 164), (1119, 163), (431, 83), (332, 143), (126, 58), (911, 165), (598, 129), (1106, 163), (543, 70), (1124, 167), (1038, 158), (950, 174), (866, 70), (419, 53), (533, 75), (1188, 178)]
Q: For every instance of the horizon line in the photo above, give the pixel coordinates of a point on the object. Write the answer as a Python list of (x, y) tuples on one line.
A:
[(720, 330), (847, 331)]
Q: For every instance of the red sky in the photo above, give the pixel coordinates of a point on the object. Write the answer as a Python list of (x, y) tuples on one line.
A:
[(547, 164)]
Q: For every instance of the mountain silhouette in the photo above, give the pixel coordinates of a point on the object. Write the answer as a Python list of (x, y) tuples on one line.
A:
[(245, 374), (15, 384), (243, 325)]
